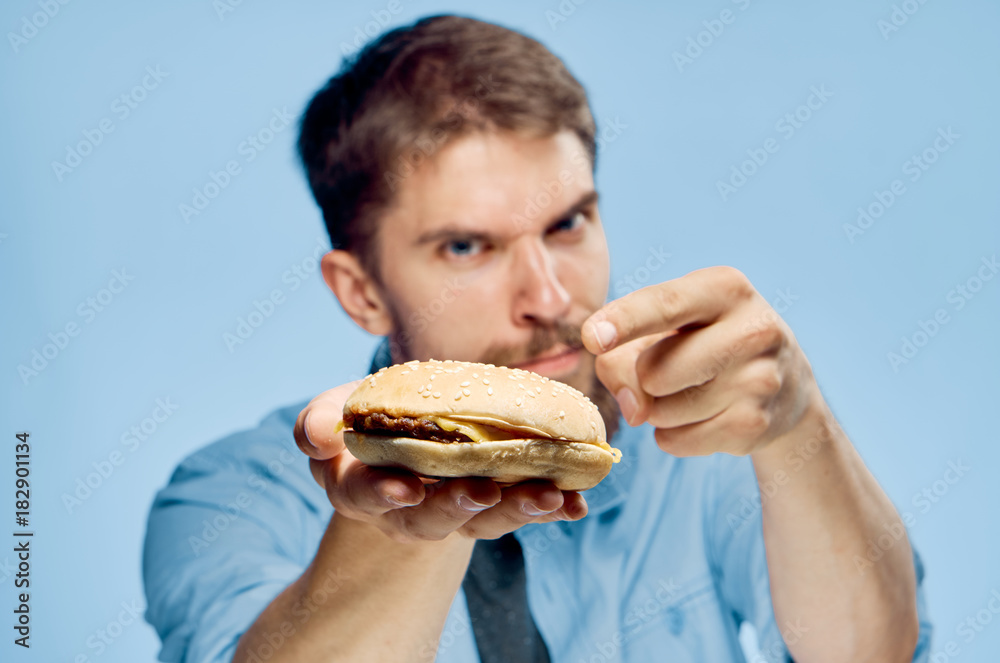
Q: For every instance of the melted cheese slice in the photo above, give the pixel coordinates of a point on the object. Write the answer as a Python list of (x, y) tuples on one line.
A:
[(487, 429), (479, 432)]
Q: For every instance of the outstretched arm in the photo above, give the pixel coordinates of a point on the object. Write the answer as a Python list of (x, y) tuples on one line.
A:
[(708, 362), (397, 546)]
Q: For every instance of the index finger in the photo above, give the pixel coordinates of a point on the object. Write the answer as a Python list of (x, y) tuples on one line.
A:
[(699, 297), (316, 423)]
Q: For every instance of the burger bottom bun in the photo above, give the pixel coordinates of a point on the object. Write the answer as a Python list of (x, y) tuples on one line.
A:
[(570, 465)]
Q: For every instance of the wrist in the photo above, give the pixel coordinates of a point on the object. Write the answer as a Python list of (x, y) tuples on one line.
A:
[(371, 537), (813, 434)]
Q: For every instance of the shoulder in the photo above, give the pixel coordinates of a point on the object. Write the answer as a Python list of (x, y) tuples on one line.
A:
[(254, 479), (255, 460), (238, 517), (251, 448)]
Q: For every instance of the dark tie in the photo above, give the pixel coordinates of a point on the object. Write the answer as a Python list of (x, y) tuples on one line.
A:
[(495, 590)]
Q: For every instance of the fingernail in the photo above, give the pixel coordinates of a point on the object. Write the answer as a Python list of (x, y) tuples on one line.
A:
[(395, 501), (627, 403), (305, 429), (469, 504), (565, 513), (605, 333), (533, 510)]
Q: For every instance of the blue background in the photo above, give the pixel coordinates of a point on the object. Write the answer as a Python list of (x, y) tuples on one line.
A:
[(685, 128)]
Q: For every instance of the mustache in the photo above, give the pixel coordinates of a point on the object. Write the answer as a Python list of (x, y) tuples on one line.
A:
[(542, 339)]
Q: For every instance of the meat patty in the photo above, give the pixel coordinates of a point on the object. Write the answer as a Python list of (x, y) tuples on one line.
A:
[(378, 423)]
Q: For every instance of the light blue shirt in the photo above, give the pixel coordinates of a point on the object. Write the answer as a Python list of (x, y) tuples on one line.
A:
[(666, 566)]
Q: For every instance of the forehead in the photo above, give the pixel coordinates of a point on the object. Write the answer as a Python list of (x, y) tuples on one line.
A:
[(485, 181)]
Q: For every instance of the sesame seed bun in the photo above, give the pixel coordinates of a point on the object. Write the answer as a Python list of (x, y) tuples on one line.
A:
[(508, 424)]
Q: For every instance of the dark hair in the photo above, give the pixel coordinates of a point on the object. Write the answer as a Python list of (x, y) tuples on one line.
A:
[(406, 94)]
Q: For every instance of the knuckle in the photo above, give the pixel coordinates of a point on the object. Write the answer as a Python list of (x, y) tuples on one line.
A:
[(693, 395), (753, 422), (767, 381), (763, 337), (734, 282), (705, 377), (667, 301)]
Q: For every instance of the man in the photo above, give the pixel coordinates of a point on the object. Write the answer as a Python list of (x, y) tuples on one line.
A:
[(428, 156)]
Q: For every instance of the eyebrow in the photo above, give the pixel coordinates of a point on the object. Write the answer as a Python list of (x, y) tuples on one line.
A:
[(452, 231)]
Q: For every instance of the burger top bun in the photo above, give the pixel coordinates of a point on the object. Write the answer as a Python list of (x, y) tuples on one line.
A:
[(482, 393)]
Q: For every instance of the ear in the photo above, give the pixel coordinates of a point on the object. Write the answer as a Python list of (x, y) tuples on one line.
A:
[(358, 293)]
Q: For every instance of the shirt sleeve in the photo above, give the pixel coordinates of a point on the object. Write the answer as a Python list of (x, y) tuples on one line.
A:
[(740, 565), (224, 538)]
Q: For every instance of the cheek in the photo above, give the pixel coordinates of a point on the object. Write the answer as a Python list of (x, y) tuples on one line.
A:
[(585, 275), (452, 318)]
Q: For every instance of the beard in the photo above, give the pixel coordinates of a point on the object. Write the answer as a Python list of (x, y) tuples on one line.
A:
[(543, 338)]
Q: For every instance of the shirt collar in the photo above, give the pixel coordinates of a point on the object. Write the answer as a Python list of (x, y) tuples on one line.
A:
[(602, 497), (382, 357)]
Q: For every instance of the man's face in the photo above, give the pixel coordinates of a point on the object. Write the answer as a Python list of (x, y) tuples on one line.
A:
[(494, 252)]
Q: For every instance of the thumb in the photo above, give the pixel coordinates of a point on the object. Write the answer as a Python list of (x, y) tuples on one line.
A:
[(599, 332), (316, 430)]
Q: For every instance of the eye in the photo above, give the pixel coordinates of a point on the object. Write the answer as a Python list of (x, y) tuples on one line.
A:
[(463, 248), (568, 224)]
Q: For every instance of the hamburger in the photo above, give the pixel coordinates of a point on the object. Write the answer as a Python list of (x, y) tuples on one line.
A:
[(460, 419)]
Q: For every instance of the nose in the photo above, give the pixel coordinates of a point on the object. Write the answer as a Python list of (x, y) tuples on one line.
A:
[(539, 296)]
